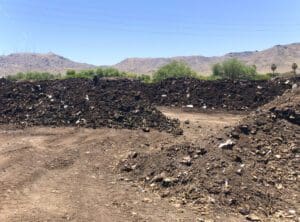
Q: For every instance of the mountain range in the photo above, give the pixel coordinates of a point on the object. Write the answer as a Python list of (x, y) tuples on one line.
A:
[(282, 55), (36, 62)]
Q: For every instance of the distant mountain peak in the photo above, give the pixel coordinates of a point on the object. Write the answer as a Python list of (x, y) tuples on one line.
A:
[(39, 62), (282, 55)]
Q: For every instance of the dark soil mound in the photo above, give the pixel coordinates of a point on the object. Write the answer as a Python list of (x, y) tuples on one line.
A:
[(80, 102), (221, 94), (252, 169)]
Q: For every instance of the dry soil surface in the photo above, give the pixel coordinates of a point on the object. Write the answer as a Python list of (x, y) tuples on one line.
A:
[(69, 174)]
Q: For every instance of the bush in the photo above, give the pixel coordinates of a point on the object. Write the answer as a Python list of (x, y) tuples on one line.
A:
[(144, 78), (33, 76), (174, 69), (233, 69)]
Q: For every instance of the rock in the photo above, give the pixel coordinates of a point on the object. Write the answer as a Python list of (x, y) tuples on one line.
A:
[(294, 86), (147, 200), (227, 145), (146, 129), (253, 217), (168, 181), (187, 160), (186, 122), (235, 135), (244, 129), (158, 178), (201, 151)]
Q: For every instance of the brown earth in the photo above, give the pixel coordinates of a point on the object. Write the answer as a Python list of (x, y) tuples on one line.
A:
[(71, 174), (132, 168), (251, 169)]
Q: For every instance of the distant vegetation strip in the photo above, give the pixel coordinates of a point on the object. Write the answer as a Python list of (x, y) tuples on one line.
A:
[(229, 69)]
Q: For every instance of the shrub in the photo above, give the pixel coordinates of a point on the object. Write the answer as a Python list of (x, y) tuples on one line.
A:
[(32, 76), (233, 69), (71, 73), (173, 69)]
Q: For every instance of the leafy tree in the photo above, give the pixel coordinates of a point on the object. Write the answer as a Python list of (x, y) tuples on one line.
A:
[(233, 69), (294, 67), (273, 68), (174, 69), (144, 78), (99, 72), (71, 73)]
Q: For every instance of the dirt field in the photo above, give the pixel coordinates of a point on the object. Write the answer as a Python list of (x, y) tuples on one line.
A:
[(69, 174)]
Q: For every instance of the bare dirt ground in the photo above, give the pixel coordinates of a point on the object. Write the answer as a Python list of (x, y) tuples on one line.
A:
[(69, 174)]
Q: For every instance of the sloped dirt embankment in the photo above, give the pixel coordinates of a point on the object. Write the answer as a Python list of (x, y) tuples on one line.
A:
[(251, 169)]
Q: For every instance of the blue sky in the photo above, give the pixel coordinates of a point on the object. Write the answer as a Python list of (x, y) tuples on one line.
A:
[(107, 31)]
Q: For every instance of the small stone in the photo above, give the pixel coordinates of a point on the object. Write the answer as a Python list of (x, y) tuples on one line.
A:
[(165, 194), (292, 211), (168, 181), (253, 217), (147, 200), (201, 151), (227, 145), (158, 178), (235, 135), (187, 122), (187, 160), (146, 129), (294, 86)]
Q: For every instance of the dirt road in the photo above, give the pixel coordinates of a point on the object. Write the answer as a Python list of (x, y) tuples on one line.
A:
[(69, 174)]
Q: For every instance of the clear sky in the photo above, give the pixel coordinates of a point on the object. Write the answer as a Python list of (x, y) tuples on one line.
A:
[(106, 31)]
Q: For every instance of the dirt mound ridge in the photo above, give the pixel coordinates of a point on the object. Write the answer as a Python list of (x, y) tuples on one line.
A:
[(79, 102), (252, 169), (221, 94)]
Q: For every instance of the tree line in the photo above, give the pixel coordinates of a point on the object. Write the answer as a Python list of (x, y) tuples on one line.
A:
[(228, 69)]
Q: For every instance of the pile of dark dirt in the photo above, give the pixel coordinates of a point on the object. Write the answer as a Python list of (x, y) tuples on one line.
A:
[(80, 102), (252, 169), (220, 94)]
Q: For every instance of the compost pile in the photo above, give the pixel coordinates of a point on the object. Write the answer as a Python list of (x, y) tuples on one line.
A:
[(252, 169), (80, 102), (220, 94)]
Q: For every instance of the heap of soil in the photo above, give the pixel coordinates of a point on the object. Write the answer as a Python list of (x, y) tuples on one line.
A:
[(80, 102), (220, 94), (252, 169)]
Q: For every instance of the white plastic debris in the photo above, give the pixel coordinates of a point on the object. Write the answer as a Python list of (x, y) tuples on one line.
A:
[(87, 98), (190, 106), (163, 95)]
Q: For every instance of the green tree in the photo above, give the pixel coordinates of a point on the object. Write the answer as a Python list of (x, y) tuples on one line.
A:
[(174, 69), (273, 68), (233, 69), (294, 67), (99, 72), (71, 73)]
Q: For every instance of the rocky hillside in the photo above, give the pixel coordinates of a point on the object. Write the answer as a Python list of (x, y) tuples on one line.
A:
[(25, 62), (282, 55)]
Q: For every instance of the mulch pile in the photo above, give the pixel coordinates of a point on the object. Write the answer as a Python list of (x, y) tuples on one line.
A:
[(221, 94), (252, 169), (80, 102)]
